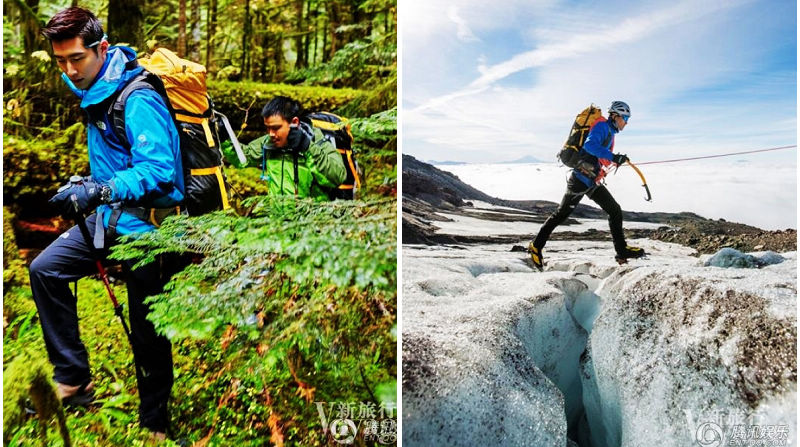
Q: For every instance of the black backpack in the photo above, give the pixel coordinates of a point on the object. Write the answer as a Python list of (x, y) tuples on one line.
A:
[(337, 130)]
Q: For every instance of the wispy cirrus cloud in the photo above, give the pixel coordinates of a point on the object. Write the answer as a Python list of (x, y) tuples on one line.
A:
[(581, 44), (463, 31), (684, 67)]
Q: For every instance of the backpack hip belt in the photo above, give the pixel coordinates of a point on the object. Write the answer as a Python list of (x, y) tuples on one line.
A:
[(153, 216)]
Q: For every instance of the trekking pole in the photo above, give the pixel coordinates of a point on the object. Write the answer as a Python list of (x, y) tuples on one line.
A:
[(76, 180)]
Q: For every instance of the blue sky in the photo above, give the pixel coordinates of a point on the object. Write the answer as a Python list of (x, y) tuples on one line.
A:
[(496, 81)]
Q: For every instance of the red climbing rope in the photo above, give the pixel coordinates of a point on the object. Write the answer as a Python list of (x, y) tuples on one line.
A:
[(716, 156)]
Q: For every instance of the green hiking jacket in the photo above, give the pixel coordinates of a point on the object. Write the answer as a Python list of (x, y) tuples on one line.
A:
[(319, 166)]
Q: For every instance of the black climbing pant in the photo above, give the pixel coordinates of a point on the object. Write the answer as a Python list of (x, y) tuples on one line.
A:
[(575, 192), (66, 260)]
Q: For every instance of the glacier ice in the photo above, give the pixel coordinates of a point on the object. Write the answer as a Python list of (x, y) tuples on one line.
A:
[(590, 353), (729, 257)]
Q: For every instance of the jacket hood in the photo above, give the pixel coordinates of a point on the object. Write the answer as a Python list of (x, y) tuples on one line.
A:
[(112, 76)]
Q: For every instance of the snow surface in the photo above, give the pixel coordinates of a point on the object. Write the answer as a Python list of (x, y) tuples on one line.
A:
[(592, 352), (759, 194)]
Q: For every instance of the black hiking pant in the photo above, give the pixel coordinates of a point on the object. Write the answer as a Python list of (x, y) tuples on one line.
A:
[(575, 192), (66, 260)]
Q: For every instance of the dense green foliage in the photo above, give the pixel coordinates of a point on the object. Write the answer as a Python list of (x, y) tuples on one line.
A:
[(361, 59), (27, 379), (113, 422), (34, 168), (293, 303), (300, 297), (259, 40), (290, 305)]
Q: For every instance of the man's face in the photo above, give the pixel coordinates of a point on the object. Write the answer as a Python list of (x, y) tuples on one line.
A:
[(80, 64), (620, 122), (278, 129)]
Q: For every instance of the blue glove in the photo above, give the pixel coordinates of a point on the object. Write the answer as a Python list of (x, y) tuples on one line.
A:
[(76, 199), (620, 159)]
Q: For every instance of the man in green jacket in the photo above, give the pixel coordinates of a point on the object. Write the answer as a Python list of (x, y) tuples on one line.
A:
[(295, 158)]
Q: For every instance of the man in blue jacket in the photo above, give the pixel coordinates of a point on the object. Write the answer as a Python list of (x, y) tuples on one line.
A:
[(148, 174), (586, 180)]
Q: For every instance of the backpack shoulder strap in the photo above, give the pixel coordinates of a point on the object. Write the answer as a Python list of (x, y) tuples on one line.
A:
[(116, 111)]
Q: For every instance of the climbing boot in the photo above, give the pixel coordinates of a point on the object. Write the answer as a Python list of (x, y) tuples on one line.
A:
[(536, 256), (629, 253)]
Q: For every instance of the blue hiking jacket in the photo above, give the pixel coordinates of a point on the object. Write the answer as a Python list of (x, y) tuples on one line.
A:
[(150, 173), (593, 145)]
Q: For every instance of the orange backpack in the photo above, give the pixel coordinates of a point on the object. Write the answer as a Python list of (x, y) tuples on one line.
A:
[(182, 85)]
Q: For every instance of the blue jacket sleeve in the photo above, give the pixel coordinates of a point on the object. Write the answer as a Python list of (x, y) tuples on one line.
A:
[(594, 142), (156, 168)]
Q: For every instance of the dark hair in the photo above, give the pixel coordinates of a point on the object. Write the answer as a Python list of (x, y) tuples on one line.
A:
[(74, 22), (283, 106)]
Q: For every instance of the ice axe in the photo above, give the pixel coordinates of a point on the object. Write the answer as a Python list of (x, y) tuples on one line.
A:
[(649, 198), (77, 180)]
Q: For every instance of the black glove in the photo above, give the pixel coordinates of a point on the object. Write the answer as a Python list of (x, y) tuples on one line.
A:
[(620, 159), (78, 198)]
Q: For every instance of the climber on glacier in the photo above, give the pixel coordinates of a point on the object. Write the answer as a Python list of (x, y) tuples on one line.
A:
[(586, 179)]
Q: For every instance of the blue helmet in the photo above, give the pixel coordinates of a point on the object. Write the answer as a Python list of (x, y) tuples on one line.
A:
[(620, 108)]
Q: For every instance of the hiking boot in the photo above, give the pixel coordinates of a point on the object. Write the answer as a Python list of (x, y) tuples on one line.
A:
[(156, 438), (629, 253), (536, 256), (70, 395), (76, 395)]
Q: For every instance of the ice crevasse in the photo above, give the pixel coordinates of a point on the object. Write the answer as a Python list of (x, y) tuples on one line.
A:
[(665, 352)]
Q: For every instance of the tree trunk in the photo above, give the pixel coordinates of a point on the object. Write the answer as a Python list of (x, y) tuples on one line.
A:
[(316, 39), (126, 22), (335, 22), (278, 57), (245, 38), (298, 41), (212, 29), (181, 28), (325, 40), (195, 38), (31, 40), (359, 16), (264, 65), (308, 35)]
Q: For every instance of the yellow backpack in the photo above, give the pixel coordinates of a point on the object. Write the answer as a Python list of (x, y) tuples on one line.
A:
[(570, 154), (182, 85)]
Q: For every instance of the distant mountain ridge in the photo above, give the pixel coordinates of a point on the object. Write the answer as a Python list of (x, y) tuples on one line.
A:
[(444, 190), (428, 190), (525, 159), (447, 163)]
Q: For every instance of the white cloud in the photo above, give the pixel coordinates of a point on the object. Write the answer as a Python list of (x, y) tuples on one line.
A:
[(670, 63), (463, 32), (579, 45)]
